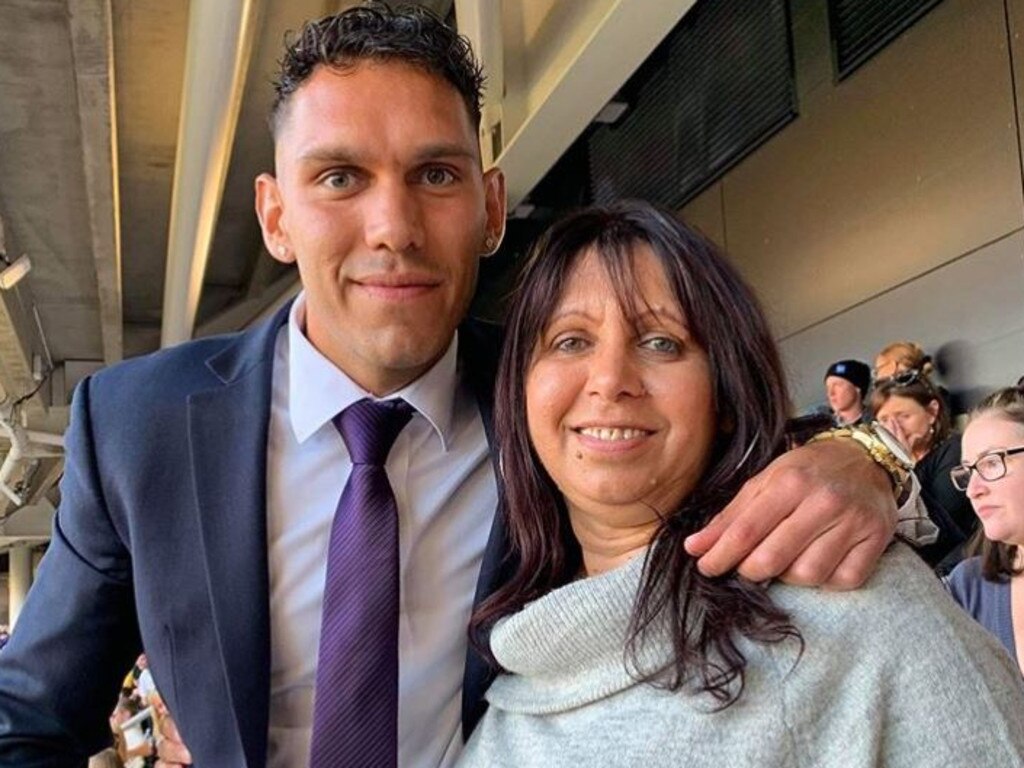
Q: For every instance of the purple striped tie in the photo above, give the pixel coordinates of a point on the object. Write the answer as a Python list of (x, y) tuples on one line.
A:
[(355, 711)]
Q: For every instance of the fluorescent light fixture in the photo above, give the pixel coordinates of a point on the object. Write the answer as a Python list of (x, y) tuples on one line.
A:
[(611, 112), (11, 275)]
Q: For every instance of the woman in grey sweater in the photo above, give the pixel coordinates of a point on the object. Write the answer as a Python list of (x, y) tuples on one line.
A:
[(653, 391)]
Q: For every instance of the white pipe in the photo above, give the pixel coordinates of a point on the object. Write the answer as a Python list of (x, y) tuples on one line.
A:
[(44, 438), (19, 577)]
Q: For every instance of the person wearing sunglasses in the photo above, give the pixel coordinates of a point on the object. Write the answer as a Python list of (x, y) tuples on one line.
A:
[(910, 406), (990, 585), (903, 362)]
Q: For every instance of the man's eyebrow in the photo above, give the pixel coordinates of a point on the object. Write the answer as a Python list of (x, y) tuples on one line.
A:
[(334, 155), (444, 151), (426, 153)]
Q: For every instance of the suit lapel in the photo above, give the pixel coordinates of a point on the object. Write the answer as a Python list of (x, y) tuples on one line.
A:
[(228, 445)]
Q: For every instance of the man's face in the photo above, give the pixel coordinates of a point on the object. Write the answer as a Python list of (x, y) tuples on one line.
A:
[(380, 198), (842, 395)]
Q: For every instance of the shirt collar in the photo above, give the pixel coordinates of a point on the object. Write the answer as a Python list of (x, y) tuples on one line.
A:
[(318, 390)]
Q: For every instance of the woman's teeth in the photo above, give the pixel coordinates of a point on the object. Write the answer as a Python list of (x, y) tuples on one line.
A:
[(613, 433)]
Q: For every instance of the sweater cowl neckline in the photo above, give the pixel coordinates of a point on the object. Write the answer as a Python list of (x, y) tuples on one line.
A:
[(568, 648)]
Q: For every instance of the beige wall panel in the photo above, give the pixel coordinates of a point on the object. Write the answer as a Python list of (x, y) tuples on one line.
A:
[(909, 163), (969, 314), (1015, 14), (705, 213)]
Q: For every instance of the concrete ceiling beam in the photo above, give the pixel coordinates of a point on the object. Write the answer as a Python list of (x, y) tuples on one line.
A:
[(220, 43), (33, 522), (563, 63), (92, 43)]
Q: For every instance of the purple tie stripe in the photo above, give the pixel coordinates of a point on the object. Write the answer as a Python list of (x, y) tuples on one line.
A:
[(355, 712)]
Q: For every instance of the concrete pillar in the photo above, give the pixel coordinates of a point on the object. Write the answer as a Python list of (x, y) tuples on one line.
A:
[(19, 580)]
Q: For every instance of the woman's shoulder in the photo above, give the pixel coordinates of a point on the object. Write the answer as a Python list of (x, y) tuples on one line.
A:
[(943, 456), (900, 648), (967, 584), (902, 605)]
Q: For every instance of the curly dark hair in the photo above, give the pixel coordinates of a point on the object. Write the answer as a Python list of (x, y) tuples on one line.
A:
[(376, 31), (707, 615)]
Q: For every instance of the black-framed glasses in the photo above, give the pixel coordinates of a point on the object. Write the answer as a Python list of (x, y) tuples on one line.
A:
[(901, 379), (989, 466)]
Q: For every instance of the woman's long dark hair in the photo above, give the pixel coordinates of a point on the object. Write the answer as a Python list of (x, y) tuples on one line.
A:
[(706, 615)]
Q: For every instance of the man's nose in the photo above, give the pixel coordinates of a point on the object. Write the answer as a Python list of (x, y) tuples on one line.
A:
[(393, 219)]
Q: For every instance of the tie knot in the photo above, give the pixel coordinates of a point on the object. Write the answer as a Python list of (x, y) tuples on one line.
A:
[(369, 428)]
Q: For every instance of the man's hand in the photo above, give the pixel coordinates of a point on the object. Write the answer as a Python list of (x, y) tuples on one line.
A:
[(171, 750), (820, 515)]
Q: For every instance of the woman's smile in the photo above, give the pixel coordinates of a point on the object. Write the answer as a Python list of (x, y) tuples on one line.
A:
[(619, 402)]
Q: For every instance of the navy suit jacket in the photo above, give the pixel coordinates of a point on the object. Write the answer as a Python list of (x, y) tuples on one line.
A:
[(160, 542)]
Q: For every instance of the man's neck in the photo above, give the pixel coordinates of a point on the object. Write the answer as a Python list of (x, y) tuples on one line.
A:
[(850, 415)]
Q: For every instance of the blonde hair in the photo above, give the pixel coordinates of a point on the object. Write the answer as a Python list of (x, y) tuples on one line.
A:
[(907, 355)]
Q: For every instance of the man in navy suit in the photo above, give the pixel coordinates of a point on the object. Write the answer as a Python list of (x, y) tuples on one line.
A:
[(201, 481)]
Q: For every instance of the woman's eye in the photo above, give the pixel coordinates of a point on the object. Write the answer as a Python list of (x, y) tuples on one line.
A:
[(989, 464), (662, 344), (438, 177), (570, 344)]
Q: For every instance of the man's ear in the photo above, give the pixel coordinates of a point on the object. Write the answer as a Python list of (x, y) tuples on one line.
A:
[(495, 200), (270, 210)]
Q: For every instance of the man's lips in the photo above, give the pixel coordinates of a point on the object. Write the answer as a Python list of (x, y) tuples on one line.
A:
[(397, 287)]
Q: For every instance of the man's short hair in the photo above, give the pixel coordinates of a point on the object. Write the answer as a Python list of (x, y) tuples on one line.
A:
[(376, 32)]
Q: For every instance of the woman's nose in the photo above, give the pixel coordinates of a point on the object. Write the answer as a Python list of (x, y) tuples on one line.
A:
[(615, 373), (976, 485)]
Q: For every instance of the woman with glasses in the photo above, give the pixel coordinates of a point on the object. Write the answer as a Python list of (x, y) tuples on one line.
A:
[(990, 586), (913, 410)]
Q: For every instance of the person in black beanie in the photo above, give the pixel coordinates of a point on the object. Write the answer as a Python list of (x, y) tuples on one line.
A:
[(846, 384)]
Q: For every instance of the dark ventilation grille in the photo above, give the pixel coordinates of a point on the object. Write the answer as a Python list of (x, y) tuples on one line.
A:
[(861, 28), (719, 85)]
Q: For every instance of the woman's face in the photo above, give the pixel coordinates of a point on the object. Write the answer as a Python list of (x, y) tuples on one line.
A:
[(620, 411), (999, 504), (910, 421)]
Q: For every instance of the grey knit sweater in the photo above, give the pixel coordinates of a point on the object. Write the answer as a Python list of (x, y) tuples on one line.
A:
[(894, 674)]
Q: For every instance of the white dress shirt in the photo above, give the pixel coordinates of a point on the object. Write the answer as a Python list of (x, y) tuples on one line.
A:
[(446, 495)]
